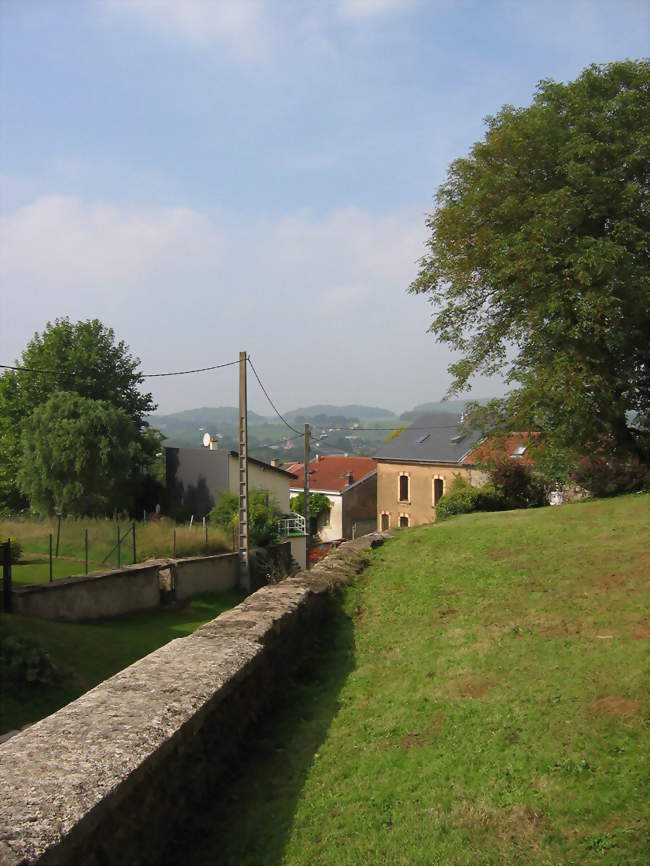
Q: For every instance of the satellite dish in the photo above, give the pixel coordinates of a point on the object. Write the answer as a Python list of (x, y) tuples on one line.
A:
[(206, 440)]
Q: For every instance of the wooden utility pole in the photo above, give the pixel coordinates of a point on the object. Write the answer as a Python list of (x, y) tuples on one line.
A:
[(306, 492), (244, 571)]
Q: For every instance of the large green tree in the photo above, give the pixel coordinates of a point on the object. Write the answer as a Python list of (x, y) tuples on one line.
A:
[(537, 261), (77, 454), (73, 358)]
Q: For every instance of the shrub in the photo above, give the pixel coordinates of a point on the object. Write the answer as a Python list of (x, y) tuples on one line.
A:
[(517, 485), (263, 515), (23, 662), (607, 475), (464, 498)]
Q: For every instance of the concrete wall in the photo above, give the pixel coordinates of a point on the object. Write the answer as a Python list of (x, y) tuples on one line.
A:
[(198, 574), (299, 549), (135, 587), (420, 508), (359, 503), (262, 477), (108, 779), (333, 532)]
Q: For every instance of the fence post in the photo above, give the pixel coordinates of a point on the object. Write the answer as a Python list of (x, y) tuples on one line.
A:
[(58, 536), (174, 544), (134, 556), (119, 545), (6, 577), (86, 549), (51, 577), (206, 535)]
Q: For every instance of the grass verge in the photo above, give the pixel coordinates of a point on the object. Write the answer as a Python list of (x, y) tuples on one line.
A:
[(480, 699), (87, 653)]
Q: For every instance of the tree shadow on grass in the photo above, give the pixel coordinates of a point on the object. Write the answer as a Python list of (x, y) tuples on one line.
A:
[(250, 821)]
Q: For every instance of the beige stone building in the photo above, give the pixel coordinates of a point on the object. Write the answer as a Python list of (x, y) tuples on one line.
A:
[(417, 468)]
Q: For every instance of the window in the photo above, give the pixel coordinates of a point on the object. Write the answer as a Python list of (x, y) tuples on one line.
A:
[(438, 489), (327, 517), (404, 488), (403, 520), (385, 522)]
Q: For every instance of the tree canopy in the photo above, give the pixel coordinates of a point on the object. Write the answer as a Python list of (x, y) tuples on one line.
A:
[(537, 260), (77, 390)]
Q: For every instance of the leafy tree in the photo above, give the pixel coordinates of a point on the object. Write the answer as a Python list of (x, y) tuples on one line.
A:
[(318, 503), (76, 454), (263, 515), (83, 359), (537, 261)]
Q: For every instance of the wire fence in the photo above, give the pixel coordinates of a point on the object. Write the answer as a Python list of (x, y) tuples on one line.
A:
[(66, 547)]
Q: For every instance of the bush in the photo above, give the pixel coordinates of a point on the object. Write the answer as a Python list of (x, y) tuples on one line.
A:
[(464, 498), (517, 485), (607, 475), (23, 662), (263, 515)]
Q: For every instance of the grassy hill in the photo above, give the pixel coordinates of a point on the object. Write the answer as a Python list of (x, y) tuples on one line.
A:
[(479, 699)]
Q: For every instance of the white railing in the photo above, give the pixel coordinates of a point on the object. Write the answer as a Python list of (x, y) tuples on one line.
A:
[(292, 525)]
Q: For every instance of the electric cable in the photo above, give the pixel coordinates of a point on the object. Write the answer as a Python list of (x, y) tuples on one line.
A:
[(266, 394)]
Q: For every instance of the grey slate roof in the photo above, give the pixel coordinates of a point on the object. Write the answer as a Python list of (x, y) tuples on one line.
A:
[(436, 448)]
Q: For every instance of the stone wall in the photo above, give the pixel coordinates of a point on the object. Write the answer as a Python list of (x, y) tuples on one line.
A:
[(108, 778)]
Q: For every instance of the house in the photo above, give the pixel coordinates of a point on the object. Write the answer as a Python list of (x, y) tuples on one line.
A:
[(350, 483), (416, 469), (196, 476)]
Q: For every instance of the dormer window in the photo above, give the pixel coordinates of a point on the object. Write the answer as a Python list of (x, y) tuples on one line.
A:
[(519, 451)]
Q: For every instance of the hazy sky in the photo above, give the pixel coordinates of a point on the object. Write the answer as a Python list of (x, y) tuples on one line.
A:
[(207, 176)]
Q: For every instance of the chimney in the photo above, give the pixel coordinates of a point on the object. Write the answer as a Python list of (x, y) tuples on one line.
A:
[(317, 458), (350, 478)]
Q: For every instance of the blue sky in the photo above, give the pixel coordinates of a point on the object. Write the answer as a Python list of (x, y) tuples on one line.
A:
[(208, 176)]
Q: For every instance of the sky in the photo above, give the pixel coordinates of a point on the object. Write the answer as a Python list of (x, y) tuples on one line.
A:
[(210, 176)]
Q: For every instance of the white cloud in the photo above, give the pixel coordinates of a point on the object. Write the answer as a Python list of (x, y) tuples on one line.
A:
[(236, 23), (184, 290), (370, 8)]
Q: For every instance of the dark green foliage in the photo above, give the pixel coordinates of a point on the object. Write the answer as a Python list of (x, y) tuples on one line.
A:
[(23, 662), (84, 361), (263, 515), (517, 485), (608, 475), (539, 244), (77, 452), (464, 498), (318, 504)]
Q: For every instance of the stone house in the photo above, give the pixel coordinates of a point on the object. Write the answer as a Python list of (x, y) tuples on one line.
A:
[(350, 483), (416, 469)]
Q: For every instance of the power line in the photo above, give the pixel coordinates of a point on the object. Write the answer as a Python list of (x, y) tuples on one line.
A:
[(142, 375), (187, 372), (273, 406)]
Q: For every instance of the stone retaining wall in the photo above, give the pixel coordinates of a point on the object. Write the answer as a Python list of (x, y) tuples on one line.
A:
[(107, 779)]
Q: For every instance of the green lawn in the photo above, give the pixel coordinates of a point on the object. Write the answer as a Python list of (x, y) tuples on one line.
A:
[(479, 699), (36, 569), (87, 653)]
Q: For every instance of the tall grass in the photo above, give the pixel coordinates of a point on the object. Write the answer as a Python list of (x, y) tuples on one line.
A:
[(154, 539)]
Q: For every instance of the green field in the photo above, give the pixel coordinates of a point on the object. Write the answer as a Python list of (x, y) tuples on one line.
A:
[(87, 653), (481, 698), (154, 539)]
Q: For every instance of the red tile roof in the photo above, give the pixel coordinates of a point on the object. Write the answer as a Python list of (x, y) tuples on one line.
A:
[(501, 447), (333, 472)]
